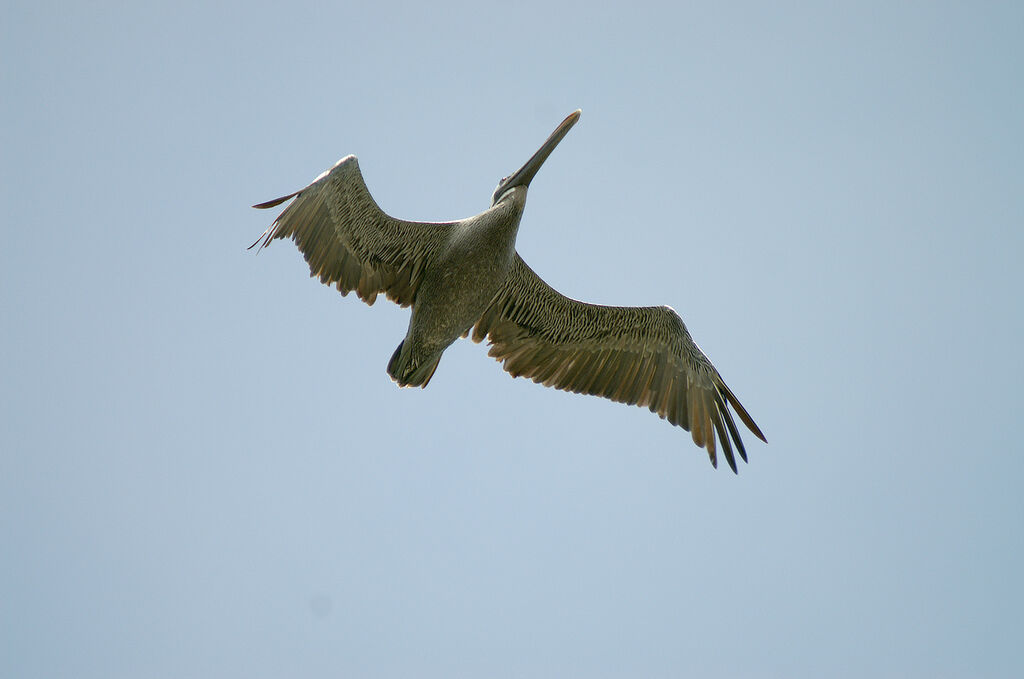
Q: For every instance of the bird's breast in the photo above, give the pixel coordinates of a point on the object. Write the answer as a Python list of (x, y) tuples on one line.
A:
[(464, 279)]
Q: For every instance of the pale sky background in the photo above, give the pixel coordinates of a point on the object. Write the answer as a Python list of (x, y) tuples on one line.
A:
[(206, 471)]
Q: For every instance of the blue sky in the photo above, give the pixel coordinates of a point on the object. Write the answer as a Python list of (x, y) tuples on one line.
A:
[(205, 470)]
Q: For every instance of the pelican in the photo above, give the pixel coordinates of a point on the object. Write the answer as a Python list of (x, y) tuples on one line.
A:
[(465, 277)]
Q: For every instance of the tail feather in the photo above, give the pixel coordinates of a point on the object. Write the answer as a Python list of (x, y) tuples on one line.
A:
[(408, 372)]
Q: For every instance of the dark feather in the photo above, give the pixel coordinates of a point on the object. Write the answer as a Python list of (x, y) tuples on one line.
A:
[(634, 355)]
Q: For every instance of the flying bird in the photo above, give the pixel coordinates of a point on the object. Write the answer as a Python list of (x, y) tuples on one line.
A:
[(465, 277)]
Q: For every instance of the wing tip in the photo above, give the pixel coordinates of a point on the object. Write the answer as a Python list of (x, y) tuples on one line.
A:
[(754, 429), (275, 202), (742, 412)]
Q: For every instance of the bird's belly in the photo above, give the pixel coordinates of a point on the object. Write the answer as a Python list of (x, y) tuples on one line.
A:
[(452, 298)]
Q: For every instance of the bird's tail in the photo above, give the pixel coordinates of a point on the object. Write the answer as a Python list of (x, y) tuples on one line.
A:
[(409, 372)]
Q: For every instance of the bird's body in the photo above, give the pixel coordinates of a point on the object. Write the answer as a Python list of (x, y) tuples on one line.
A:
[(465, 276), (456, 291)]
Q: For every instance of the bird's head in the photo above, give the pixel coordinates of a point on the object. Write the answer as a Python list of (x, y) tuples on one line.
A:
[(521, 178)]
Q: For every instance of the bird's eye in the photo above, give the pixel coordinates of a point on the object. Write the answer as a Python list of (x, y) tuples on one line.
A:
[(498, 192)]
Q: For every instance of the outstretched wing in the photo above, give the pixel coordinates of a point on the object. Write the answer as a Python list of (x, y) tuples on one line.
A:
[(349, 242), (634, 355)]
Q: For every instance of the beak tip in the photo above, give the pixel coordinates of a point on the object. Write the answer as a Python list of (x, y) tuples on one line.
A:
[(524, 175)]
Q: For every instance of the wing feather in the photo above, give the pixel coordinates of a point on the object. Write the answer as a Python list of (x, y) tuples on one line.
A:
[(636, 355), (350, 243)]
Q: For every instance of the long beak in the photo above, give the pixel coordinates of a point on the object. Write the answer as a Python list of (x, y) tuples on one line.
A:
[(524, 175)]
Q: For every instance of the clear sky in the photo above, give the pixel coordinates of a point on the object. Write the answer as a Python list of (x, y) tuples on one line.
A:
[(206, 472)]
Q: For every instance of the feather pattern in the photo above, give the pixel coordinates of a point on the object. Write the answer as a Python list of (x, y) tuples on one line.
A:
[(640, 356), (350, 243)]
